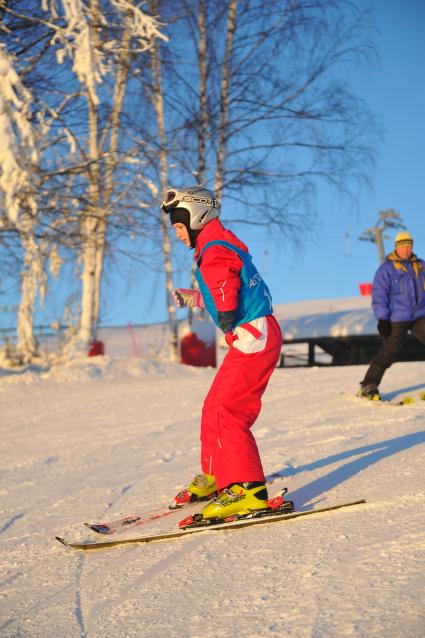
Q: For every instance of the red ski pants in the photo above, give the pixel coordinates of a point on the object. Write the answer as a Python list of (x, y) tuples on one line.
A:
[(228, 448)]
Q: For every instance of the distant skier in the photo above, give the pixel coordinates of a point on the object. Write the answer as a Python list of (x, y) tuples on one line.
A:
[(240, 304), (398, 300)]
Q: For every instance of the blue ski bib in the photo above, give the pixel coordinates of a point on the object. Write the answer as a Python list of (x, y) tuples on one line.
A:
[(254, 297)]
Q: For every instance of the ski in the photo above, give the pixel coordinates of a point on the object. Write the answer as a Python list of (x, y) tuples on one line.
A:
[(395, 403), (235, 524), (128, 522), (407, 400), (135, 520), (276, 505)]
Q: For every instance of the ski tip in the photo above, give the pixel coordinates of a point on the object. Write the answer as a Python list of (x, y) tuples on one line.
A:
[(62, 540)]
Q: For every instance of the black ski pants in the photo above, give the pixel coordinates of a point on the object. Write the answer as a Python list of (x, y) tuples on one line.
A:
[(391, 347)]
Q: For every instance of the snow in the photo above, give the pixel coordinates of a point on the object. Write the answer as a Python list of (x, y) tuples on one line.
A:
[(101, 437)]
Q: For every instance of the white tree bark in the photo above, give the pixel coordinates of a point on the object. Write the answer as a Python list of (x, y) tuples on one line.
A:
[(31, 275), (105, 206), (90, 222), (203, 95), (224, 99), (158, 102)]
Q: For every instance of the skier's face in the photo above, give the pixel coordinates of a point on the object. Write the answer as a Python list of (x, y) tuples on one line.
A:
[(404, 251), (182, 234)]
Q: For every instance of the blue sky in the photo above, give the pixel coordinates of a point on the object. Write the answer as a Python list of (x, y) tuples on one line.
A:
[(335, 262)]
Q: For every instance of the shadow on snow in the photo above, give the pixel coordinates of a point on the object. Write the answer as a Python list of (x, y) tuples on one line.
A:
[(367, 455), (411, 388)]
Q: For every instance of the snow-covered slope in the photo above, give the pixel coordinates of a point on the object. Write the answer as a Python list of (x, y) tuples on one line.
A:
[(101, 437)]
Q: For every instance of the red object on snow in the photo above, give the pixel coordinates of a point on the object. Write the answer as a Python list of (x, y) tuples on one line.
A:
[(365, 289), (96, 348), (194, 352)]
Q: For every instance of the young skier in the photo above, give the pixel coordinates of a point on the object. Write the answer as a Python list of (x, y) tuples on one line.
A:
[(240, 304)]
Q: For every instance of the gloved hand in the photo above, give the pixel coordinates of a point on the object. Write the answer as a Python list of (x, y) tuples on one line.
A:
[(384, 327), (226, 320), (230, 338), (188, 297)]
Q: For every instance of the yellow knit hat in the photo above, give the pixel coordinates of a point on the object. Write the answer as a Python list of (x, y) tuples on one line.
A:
[(403, 237)]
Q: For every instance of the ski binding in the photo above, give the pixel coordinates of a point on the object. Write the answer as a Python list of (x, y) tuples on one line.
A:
[(276, 505)]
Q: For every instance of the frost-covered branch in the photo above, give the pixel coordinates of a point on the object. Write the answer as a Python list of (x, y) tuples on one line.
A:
[(75, 39), (145, 28), (17, 142)]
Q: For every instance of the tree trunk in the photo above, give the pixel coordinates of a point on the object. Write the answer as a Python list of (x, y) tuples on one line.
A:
[(224, 100), (158, 101), (203, 100), (87, 326), (105, 206), (90, 224), (26, 342)]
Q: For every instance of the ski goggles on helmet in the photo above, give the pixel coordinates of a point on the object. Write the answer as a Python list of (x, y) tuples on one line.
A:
[(191, 197), (170, 202)]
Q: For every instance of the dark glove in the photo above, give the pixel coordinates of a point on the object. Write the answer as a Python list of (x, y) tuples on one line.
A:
[(226, 319), (384, 327)]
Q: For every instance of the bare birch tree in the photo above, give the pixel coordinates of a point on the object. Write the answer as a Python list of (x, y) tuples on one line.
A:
[(280, 121), (158, 104)]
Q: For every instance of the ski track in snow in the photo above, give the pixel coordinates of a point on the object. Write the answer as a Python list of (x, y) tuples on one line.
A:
[(91, 441), (129, 591)]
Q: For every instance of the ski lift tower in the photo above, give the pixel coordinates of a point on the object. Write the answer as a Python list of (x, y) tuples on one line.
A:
[(388, 218)]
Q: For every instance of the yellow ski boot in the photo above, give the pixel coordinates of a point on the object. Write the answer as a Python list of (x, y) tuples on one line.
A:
[(239, 499), (202, 488), (369, 391)]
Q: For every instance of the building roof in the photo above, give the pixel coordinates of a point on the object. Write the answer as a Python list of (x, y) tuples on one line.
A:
[(326, 318)]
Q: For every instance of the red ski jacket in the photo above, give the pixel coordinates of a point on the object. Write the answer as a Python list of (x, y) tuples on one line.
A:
[(220, 267)]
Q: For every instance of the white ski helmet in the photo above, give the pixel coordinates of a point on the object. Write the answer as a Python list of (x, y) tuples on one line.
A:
[(200, 203)]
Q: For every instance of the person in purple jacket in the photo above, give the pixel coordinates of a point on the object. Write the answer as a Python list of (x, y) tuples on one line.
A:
[(398, 301)]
